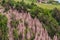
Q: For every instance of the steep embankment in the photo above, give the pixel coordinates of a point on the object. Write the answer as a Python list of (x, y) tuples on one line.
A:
[(23, 27)]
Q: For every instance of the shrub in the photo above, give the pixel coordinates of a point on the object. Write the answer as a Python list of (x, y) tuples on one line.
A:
[(18, 6), (11, 3), (3, 27), (21, 6), (3, 2), (34, 11), (15, 34), (56, 14), (50, 22), (14, 23)]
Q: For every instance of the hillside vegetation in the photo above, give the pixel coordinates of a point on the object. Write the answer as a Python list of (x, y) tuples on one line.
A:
[(42, 5), (48, 6), (47, 14)]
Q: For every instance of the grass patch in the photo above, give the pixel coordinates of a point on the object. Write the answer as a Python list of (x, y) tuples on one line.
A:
[(48, 6), (42, 5)]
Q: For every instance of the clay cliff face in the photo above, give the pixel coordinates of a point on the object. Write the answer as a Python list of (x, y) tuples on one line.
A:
[(27, 27)]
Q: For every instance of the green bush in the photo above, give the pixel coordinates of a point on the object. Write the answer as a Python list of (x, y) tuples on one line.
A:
[(14, 23), (18, 6), (34, 11), (50, 23), (11, 3), (15, 34), (56, 14), (21, 6), (3, 27), (3, 2)]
